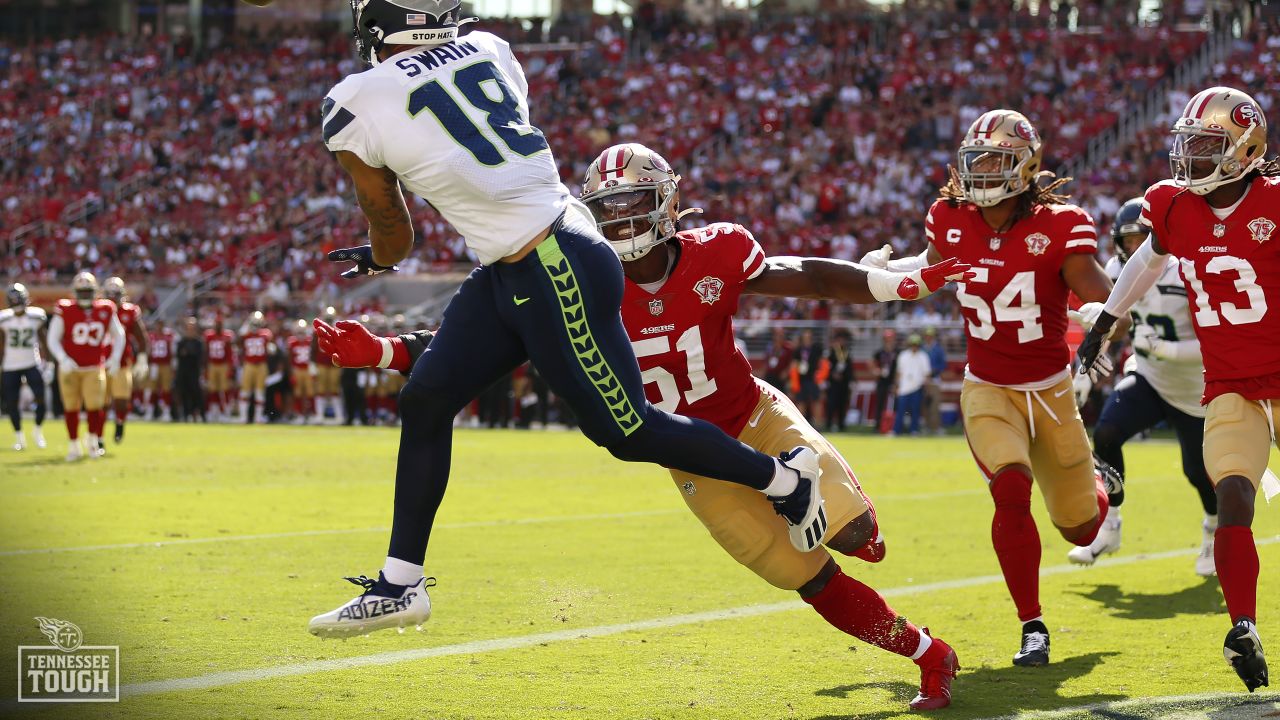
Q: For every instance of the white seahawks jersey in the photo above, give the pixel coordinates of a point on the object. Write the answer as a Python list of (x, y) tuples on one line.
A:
[(21, 337), (452, 121), (1164, 308)]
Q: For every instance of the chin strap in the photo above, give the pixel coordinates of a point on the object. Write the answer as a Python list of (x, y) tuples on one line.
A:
[(688, 211)]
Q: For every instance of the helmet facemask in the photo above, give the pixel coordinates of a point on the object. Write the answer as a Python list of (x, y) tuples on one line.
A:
[(636, 217), (989, 174), (1204, 160)]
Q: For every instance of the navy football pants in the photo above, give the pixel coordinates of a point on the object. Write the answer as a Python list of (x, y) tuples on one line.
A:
[(11, 386), (1135, 407), (559, 309)]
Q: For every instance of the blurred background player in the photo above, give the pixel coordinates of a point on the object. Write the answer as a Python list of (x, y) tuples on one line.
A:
[(160, 384), (255, 342), (133, 363), (303, 370), (22, 332), (1220, 217), (1029, 250), (189, 356), (219, 363), (87, 340), (327, 387), (1163, 380)]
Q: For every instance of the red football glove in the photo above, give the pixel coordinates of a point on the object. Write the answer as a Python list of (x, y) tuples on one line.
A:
[(349, 344), (934, 277)]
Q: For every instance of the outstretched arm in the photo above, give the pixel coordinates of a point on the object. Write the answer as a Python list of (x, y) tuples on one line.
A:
[(378, 191), (349, 344), (825, 279)]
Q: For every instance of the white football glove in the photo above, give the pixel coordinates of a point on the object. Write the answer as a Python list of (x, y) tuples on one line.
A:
[(141, 369), (878, 258), (1087, 315), (112, 366), (1082, 385), (1146, 340)]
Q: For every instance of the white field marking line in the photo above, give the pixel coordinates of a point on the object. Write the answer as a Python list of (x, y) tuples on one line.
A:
[(1153, 702), (234, 677), (347, 531)]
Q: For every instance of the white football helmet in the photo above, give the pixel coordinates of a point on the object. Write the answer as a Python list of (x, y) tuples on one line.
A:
[(634, 196), (1220, 138), (998, 158)]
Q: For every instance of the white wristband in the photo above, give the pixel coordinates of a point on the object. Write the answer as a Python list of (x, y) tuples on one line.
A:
[(387, 353), (884, 284)]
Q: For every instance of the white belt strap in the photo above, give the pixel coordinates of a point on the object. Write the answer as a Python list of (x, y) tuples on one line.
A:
[(1031, 418)]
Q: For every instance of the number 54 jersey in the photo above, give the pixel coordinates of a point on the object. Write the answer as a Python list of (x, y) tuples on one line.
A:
[(452, 122), (1231, 269), (1016, 306), (682, 331)]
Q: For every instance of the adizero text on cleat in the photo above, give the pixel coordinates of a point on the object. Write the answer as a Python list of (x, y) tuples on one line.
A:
[(382, 605)]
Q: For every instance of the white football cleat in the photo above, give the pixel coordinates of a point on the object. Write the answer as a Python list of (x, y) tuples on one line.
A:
[(1205, 566), (38, 434), (74, 452), (95, 449), (804, 509), (19, 441), (381, 605), (1107, 541)]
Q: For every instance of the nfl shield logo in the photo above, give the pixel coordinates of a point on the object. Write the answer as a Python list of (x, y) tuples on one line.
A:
[(995, 243), (655, 307), (1219, 230)]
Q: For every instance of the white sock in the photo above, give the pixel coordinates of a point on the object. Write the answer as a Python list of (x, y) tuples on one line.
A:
[(399, 572), (784, 480), (925, 642), (1210, 522)]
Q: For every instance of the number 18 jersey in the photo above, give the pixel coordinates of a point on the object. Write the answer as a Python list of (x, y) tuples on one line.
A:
[(452, 122), (1016, 306)]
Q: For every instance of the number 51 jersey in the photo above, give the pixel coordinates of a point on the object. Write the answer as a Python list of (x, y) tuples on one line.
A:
[(1016, 306), (452, 122), (1231, 268)]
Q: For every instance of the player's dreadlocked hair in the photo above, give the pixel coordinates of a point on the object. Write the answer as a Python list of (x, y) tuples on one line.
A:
[(1270, 168), (1041, 191)]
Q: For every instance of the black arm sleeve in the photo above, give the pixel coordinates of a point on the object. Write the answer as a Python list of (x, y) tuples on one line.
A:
[(416, 343)]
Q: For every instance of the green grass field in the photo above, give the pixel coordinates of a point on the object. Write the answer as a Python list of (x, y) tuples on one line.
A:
[(574, 586)]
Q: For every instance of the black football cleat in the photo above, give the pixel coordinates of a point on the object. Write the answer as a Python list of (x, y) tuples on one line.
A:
[(804, 509), (1112, 481), (1243, 649), (119, 433), (1035, 645)]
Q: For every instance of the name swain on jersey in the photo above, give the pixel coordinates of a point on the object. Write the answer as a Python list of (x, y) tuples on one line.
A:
[(432, 58)]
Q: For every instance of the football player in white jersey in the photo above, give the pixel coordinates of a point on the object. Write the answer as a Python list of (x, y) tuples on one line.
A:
[(1164, 380), (21, 335), (448, 116)]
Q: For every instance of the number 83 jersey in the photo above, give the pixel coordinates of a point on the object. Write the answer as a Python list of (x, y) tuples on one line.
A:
[(1016, 307), (452, 122)]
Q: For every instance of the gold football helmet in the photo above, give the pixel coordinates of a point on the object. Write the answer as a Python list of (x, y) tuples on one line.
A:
[(113, 289), (999, 157), (85, 287), (634, 196), (257, 320), (1221, 137)]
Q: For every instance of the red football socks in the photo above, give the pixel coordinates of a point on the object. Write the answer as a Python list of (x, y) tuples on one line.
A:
[(1104, 505), (861, 612), (1236, 558), (97, 418), (1016, 541), (72, 417)]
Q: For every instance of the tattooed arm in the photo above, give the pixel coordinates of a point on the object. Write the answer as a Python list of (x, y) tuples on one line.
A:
[(378, 190)]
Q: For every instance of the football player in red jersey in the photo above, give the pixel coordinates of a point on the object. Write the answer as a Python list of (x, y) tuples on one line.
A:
[(134, 360), (678, 304), (303, 370), (160, 354), (1219, 216), (254, 345), (87, 340), (1029, 249), (219, 357)]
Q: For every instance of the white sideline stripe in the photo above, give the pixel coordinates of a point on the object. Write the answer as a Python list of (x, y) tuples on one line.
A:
[(1141, 703), (234, 677), (348, 531)]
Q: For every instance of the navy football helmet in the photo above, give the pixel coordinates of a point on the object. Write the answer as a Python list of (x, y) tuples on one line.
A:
[(378, 23), (1126, 223)]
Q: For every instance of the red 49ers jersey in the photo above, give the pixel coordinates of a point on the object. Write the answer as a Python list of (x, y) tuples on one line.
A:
[(300, 351), (1016, 307), (128, 314), (161, 350), (218, 346), (85, 330), (682, 334), (255, 345), (1231, 269)]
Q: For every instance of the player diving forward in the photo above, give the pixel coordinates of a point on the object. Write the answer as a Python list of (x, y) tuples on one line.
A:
[(1028, 248), (448, 116), (22, 330), (1165, 382), (681, 292), (1218, 216)]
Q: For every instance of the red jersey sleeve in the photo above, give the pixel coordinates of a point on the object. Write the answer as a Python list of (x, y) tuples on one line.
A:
[(936, 231), (1155, 211), (1080, 232)]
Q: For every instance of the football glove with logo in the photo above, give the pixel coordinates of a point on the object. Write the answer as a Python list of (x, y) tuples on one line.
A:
[(886, 285), (362, 256)]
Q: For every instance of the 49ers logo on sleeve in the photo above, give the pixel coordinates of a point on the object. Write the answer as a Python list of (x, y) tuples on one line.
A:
[(709, 289), (1037, 243), (1261, 228)]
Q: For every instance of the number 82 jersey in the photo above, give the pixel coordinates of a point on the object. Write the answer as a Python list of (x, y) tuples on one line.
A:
[(1016, 307), (1231, 269)]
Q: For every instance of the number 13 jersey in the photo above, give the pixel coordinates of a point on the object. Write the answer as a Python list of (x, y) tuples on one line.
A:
[(1016, 307), (452, 122), (1231, 268)]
